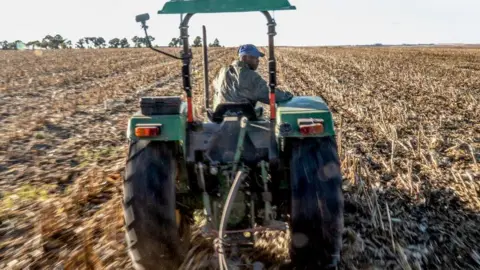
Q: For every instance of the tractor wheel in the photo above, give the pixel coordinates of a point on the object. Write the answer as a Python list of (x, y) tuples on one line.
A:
[(316, 204), (155, 239)]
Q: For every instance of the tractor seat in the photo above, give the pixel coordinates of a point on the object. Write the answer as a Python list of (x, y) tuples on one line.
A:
[(234, 109)]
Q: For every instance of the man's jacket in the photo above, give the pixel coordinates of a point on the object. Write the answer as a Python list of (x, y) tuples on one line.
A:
[(239, 83)]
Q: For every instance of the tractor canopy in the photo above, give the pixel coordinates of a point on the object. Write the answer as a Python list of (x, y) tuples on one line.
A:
[(218, 6)]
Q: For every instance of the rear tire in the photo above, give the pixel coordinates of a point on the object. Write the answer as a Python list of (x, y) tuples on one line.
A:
[(153, 238), (316, 204)]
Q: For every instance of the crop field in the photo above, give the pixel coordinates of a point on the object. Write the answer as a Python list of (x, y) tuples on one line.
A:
[(408, 128)]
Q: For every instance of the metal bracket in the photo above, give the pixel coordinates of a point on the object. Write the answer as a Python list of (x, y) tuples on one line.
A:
[(241, 138), (267, 196)]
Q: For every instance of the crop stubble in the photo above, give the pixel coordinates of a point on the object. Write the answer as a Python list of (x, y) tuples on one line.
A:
[(407, 121)]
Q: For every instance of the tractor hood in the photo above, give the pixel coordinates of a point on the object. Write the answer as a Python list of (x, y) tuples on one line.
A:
[(219, 6)]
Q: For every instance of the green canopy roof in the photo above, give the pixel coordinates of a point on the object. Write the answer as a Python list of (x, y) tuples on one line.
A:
[(217, 6)]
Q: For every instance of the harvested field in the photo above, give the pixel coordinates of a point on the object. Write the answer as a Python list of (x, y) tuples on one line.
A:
[(408, 128)]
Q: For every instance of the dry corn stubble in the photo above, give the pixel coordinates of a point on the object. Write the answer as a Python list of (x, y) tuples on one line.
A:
[(408, 135)]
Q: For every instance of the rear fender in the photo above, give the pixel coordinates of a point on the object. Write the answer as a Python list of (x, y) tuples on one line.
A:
[(172, 126), (306, 107)]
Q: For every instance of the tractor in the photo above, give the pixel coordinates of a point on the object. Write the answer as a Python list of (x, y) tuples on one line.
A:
[(243, 171)]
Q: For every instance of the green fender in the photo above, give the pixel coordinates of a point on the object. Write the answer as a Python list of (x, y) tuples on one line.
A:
[(304, 107), (172, 126)]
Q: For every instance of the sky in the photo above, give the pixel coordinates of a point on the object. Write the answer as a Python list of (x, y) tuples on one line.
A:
[(314, 23)]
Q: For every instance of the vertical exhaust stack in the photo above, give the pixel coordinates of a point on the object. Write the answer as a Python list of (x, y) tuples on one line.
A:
[(205, 65)]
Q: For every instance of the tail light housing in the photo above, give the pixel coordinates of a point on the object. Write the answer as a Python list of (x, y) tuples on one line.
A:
[(147, 130), (310, 126)]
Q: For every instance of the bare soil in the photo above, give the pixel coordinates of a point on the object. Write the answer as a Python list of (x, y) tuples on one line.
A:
[(407, 122)]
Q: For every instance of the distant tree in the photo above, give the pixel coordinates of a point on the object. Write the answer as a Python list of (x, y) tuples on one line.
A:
[(67, 44), (197, 42), (53, 42), (11, 45), (145, 41), (100, 42), (124, 43), (173, 42), (215, 43), (47, 41), (114, 43), (4, 45), (80, 43), (37, 44), (58, 42), (43, 44), (87, 41), (137, 41), (33, 44), (92, 42)]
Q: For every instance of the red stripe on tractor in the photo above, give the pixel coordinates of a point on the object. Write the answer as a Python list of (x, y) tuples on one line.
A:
[(272, 106), (189, 110)]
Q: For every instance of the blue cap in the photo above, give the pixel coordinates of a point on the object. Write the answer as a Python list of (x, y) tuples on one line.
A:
[(249, 49)]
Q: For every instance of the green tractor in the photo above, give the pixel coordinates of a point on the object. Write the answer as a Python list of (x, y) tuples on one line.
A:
[(243, 171)]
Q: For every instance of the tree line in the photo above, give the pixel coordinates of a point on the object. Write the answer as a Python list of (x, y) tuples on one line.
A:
[(197, 42), (59, 42)]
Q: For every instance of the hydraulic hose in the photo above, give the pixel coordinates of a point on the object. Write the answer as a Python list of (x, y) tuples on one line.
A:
[(225, 215)]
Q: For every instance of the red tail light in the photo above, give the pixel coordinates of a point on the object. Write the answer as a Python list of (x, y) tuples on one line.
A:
[(310, 126), (147, 131), (311, 129)]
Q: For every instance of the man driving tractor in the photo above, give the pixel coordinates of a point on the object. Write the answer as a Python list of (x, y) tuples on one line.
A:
[(239, 82)]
